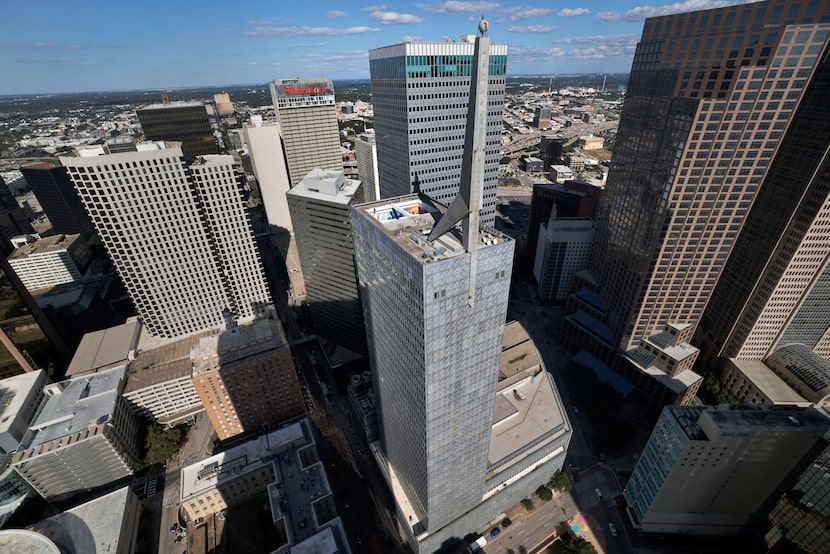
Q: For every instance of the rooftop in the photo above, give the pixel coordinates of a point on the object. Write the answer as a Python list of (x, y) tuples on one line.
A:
[(408, 220), (162, 363), (327, 186), (26, 542), (45, 245), (810, 368), (95, 526), (726, 419), (13, 393), (236, 344), (161, 106), (105, 349), (766, 381), (74, 405)]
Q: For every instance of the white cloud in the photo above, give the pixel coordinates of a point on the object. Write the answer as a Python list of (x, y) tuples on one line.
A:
[(641, 12), (336, 13), (568, 12), (457, 6), (606, 41), (532, 54), (258, 22), (519, 13), (307, 31), (394, 18), (533, 29), (609, 17)]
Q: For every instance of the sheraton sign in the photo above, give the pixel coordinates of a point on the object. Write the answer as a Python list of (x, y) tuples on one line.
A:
[(303, 87), (305, 90)]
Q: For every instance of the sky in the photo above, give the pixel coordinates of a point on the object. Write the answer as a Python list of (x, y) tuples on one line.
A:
[(58, 46)]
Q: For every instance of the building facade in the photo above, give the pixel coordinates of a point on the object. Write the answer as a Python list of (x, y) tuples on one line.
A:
[(246, 380), (268, 160), (366, 154), (308, 122), (420, 95), (178, 234), (59, 199), (51, 261), (713, 99), (320, 207), (734, 455), (563, 250), (185, 122)]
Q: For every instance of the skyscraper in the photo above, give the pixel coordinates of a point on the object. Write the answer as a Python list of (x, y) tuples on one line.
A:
[(420, 95), (308, 121), (178, 235), (366, 154), (57, 196), (713, 101), (186, 122), (319, 207), (435, 299), (268, 160)]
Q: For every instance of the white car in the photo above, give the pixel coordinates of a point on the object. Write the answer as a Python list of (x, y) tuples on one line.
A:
[(612, 529), (598, 493)]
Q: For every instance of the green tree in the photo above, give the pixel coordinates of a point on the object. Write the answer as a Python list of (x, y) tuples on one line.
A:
[(544, 493), (561, 482), (161, 443), (577, 545), (528, 504), (712, 392)]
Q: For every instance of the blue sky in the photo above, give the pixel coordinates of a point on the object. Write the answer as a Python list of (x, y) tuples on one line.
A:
[(51, 46)]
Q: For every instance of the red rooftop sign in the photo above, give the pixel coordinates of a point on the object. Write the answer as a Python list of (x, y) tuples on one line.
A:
[(305, 90)]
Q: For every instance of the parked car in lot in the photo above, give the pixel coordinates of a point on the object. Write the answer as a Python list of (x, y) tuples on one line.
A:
[(612, 529), (495, 533), (505, 523)]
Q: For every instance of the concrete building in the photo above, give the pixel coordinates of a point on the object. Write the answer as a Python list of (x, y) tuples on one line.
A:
[(185, 122), (320, 206), (420, 94), (268, 160), (366, 153), (116, 145), (805, 371), (82, 437), (20, 397), (560, 173), (246, 379), (707, 470), (753, 382), (223, 104), (590, 142), (550, 150), (13, 221), (59, 199), (562, 250), (541, 119), (283, 464), (51, 261), (533, 164), (14, 490), (178, 234), (693, 153), (108, 523), (308, 122)]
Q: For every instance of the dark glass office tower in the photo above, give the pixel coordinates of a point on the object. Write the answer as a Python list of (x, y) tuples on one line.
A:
[(185, 122), (53, 189)]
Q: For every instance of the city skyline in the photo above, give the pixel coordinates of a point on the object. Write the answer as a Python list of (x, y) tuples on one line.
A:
[(81, 50)]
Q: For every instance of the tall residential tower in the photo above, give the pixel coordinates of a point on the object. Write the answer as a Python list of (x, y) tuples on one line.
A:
[(178, 235)]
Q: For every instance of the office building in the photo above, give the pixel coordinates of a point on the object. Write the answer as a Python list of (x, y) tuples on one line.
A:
[(366, 154), (51, 261), (268, 163), (563, 248), (13, 221), (116, 145), (20, 396), (59, 199), (178, 234), (246, 380), (185, 122), (717, 114), (706, 470), (320, 206), (435, 299), (541, 119), (420, 95), (82, 437), (308, 123), (224, 106), (550, 150), (753, 382)]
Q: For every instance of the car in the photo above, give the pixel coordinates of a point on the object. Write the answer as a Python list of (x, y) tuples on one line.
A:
[(505, 523), (495, 532), (612, 529), (598, 493)]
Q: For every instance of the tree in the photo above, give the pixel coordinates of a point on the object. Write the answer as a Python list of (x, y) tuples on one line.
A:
[(528, 504), (544, 493), (161, 443), (712, 393), (560, 482), (577, 545)]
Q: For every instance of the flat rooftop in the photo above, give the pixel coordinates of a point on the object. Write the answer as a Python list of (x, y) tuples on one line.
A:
[(13, 394), (91, 527), (236, 344), (45, 245), (162, 363), (766, 381), (408, 220), (105, 349), (728, 419), (328, 186), (75, 405), (161, 106), (227, 466)]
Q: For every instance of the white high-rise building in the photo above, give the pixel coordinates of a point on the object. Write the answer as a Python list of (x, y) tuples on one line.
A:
[(268, 160), (420, 95), (366, 154), (178, 234)]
